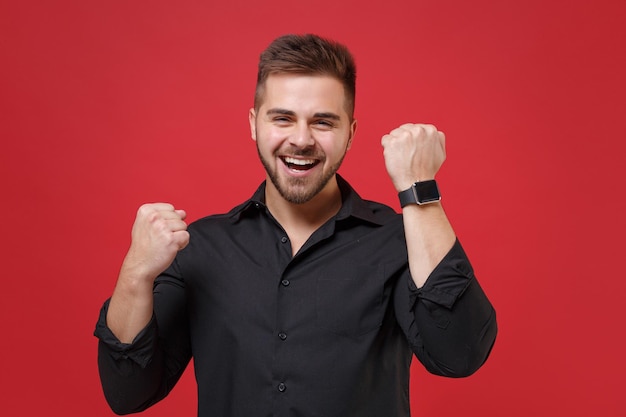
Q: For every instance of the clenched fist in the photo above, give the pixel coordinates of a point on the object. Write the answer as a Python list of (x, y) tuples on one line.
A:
[(158, 233), (413, 152)]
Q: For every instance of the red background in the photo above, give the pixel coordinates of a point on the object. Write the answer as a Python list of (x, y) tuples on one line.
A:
[(106, 105)]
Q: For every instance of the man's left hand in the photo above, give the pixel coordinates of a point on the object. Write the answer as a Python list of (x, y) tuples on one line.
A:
[(413, 152)]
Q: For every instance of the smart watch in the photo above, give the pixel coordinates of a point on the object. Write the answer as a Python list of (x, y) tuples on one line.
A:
[(421, 192)]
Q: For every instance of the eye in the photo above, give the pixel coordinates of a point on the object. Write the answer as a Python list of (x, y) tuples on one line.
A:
[(323, 123), (281, 120)]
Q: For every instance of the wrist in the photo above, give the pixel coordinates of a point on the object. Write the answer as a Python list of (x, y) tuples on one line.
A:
[(136, 278), (420, 193), (406, 182)]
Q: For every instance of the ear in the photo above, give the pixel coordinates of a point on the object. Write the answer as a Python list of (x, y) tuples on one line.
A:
[(252, 121), (352, 133)]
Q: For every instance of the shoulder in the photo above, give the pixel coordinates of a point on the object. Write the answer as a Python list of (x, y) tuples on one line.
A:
[(382, 210), (223, 220)]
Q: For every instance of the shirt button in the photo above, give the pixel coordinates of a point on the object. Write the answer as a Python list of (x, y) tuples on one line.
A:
[(282, 336), (282, 387), (284, 239), (285, 282)]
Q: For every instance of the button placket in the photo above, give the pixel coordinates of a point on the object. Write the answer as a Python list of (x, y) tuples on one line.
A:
[(284, 299)]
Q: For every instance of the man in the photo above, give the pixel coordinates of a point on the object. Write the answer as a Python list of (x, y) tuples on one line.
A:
[(299, 302)]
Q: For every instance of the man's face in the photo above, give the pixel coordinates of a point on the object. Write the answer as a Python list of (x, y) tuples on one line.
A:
[(302, 132)]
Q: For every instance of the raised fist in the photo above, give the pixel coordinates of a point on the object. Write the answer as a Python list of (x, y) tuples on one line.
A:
[(413, 152), (158, 233)]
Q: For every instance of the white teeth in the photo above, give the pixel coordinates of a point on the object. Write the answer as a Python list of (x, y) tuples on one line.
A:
[(301, 162)]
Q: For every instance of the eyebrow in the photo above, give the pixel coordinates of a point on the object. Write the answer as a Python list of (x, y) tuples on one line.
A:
[(281, 112), (321, 115)]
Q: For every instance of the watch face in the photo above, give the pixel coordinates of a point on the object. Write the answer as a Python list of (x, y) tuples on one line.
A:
[(427, 191)]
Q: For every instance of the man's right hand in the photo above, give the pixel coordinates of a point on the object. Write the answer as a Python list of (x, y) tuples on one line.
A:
[(158, 233)]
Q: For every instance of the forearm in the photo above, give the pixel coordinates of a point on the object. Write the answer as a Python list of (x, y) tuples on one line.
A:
[(414, 153), (131, 306), (429, 237)]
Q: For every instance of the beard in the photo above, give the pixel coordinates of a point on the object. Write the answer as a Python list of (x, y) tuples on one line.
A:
[(299, 190)]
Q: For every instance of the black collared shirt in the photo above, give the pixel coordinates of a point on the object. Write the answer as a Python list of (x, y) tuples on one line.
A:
[(328, 332)]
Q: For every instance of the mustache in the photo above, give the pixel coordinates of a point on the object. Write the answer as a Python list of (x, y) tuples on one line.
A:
[(303, 152)]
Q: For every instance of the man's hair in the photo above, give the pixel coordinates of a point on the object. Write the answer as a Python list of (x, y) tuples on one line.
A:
[(308, 55)]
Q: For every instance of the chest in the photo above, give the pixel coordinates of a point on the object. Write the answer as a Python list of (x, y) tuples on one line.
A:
[(339, 283)]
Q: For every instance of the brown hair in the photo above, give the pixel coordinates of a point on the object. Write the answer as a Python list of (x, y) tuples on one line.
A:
[(307, 54)]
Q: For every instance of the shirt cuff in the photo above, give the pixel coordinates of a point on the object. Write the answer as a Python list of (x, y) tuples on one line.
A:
[(448, 281), (140, 350)]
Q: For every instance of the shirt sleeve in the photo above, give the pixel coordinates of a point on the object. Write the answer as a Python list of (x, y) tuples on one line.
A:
[(139, 351), (450, 324), (136, 375)]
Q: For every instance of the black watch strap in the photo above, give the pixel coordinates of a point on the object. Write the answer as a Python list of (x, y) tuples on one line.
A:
[(421, 192)]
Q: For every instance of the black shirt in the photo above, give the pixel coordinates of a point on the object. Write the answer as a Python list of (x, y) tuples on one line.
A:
[(327, 332)]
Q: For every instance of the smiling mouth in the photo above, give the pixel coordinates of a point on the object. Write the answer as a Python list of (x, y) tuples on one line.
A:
[(299, 164)]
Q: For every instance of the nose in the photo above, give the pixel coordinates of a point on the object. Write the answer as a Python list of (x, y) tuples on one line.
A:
[(302, 136)]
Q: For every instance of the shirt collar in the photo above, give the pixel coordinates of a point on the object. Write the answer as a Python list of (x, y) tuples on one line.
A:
[(352, 204)]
